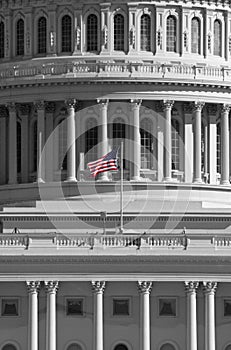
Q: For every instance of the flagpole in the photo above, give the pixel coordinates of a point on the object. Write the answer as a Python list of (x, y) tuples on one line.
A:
[(121, 185)]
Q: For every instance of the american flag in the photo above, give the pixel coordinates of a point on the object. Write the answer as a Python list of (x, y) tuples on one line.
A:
[(109, 162)]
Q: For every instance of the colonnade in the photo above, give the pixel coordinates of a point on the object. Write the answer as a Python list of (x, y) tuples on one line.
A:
[(144, 289), (192, 142)]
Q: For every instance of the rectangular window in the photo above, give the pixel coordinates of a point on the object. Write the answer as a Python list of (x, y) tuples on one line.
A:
[(74, 306), (227, 307), (121, 306), (10, 307), (167, 307)]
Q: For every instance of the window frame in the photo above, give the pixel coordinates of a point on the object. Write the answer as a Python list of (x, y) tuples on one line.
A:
[(217, 20), (8, 298), (124, 50), (199, 35), (20, 18), (97, 32), (2, 23), (82, 299), (150, 32), (176, 48), (61, 34), (120, 297), (46, 35), (172, 298)]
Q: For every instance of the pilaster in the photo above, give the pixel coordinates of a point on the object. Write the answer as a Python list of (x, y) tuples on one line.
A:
[(24, 114), (52, 30), (12, 147), (28, 32), (8, 33), (212, 143), (106, 29), (133, 29), (3, 145), (78, 30)]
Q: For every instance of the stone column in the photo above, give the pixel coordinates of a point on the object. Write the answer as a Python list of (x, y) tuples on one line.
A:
[(51, 290), (50, 139), (135, 106), (103, 133), (98, 289), (212, 143), (145, 288), (167, 106), (71, 152), (190, 288), (24, 114), (197, 142), (225, 145), (40, 107), (3, 144), (209, 292), (188, 143), (160, 141), (33, 289), (12, 154)]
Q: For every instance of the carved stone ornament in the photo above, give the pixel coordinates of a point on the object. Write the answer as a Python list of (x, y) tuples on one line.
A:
[(98, 286), (188, 108), (135, 104), (39, 105), (78, 36), (212, 109), (191, 286), (50, 107), (209, 287), (24, 109), (144, 286), (102, 103), (70, 103), (11, 106), (132, 36), (198, 106), (33, 286), (3, 112), (167, 104), (225, 108), (105, 35), (51, 286)]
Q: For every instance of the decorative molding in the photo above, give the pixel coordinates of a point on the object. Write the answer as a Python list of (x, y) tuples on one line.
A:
[(98, 286), (24, 108), (70, 103), (50, 107), (198, 106), (135, 104), (209, 287), (211, 109), (167, 104), (11, 106), (191, 287), (33, 286), (51, 286), (103, 104), (39, 105), (144, 287), (225, 108)]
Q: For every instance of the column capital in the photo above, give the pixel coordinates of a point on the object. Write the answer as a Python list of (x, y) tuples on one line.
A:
[(188, 108), (39, 105), (167, 104), (102, 103), (51, 286), (191, 286), (3, 112), (144, 287), (11, 106), (70, 103), (225, 108), (50, 107), (198, 106), (98, 286), (24, 109), (209, 287), (136, 103), (211, 109), (33, 286)]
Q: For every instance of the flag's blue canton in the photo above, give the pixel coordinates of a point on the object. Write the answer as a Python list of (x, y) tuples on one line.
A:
[(106, 163)]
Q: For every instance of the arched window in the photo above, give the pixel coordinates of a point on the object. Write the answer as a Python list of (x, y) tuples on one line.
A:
[(145, 33), (74, 346), (92, 33), (171, 34), (146, 144), (35, 147), (91, 140), (167, 346), (9, 347), (121, 347), (20, 37), (62, 125), (217, 38), (2, 41), (175, 145), (119, 32), (218, 148), (195, 35), (118, 131), (19, 147), (66, 33), (42, 35)]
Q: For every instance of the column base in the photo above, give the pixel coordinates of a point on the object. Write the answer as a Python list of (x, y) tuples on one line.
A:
[(136, 178), (197, 181), (167, 179), (225, 182), (71, 179)]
